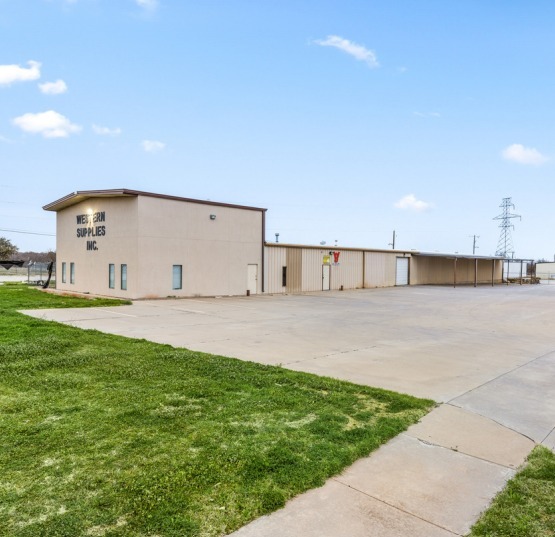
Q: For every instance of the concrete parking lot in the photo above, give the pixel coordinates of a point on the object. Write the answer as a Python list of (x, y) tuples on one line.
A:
[(486, 353)]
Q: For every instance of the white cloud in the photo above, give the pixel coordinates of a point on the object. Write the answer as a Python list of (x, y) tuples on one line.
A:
[(149, 5), (15, 73), (523, 155), (50, 124), (106, 131), (409, 202), (53, 88), (357, 51), (427, 114), (152, 146)]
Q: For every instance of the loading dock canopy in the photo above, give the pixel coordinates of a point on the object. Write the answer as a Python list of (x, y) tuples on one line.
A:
[(479, 264)]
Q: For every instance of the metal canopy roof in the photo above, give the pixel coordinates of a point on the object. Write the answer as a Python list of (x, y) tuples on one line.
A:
[(458, 256)]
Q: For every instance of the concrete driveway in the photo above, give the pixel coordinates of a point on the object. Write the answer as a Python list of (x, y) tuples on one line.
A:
[(486, 353)]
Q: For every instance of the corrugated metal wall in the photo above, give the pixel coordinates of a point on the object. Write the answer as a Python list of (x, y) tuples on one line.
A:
[(278, 257), (275, 259), (545, 271), (379, 270), (357, 269), (348, 271), (312, 261), (294, 270)]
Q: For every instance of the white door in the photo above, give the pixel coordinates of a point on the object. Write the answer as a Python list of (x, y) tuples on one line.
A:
[(402, 271), (325, 277), (252, 279)]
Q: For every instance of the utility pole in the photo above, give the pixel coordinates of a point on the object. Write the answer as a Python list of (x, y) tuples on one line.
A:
[(505, 244), (392, 244), (474, 243)]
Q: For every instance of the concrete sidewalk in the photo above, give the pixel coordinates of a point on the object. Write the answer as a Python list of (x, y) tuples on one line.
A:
[(487, 354)]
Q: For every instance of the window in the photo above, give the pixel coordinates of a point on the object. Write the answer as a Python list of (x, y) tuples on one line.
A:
[(72, 273), (111, 276), (64, 272), (124, 277), (284, 276), (177, 274)]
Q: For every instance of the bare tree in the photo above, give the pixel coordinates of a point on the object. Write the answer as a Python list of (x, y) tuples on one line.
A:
[(37, 257)]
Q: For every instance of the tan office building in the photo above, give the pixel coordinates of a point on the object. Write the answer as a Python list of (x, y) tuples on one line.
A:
[(126, 243)]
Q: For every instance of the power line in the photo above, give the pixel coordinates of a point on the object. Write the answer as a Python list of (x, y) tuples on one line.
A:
[(28, 232)]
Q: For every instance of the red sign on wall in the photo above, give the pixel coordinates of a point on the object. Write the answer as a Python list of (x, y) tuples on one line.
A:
[(336, 257)]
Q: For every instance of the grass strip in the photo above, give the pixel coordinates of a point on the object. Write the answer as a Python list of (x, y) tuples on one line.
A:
[(526, 507), (108, 436)]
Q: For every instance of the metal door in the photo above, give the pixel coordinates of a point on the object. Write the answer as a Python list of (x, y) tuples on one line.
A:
[(252, 279), (325, 277), (402, 271)]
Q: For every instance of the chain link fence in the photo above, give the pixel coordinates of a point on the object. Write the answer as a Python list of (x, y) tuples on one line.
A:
[(33, 273)]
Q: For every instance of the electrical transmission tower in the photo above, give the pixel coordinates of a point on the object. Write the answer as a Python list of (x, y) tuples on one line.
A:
[(505, 246)]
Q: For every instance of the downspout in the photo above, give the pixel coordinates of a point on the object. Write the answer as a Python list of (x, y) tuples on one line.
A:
[(455, 272), (475, 272)]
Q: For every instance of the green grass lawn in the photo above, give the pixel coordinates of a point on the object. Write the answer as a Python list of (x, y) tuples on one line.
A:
[(107, 436), (526, 507)]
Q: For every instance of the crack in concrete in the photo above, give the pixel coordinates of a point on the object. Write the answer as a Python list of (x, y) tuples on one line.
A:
[(330, 354), (500, 376), (548, 435), (460, 452), (491, 419), (397, 508)]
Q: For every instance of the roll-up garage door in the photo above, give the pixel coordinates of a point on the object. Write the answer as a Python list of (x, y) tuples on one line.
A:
[(402, 271)]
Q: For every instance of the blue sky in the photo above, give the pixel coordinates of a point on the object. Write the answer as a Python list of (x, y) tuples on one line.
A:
[(346, 119)]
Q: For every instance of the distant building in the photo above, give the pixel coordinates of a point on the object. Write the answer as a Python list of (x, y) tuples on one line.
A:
[(545, 271)]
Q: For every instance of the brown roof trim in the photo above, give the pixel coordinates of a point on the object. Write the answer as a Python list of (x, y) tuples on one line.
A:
[(458, 256), (82, 195), (329, 247)]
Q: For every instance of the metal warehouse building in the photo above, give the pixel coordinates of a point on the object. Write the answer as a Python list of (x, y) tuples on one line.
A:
[(545, 270), (296, 269), (132, 244)]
